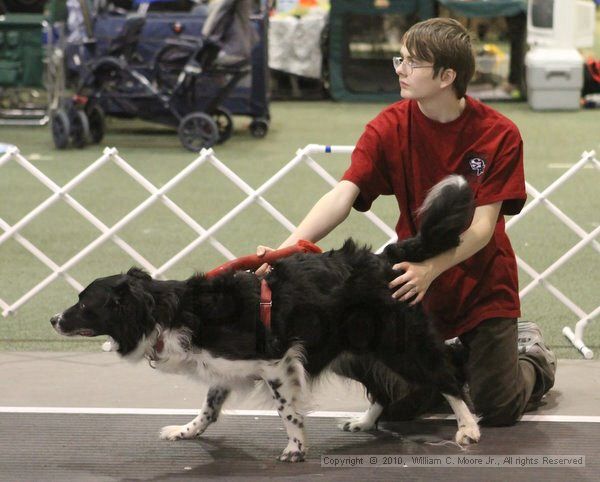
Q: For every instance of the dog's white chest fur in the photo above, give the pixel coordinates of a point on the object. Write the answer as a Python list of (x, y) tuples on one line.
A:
[(177, 357), (210, 369)]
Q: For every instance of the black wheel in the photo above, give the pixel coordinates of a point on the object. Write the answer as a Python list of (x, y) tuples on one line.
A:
[(222, 118), (259, 128), (96, 123), (197, 131), (80, 128), (61, 127)]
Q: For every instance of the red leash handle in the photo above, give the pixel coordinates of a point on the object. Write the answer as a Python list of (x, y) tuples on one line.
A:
[(253, 261)]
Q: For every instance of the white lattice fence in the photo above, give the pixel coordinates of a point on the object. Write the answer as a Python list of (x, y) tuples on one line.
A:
[(253, 196), (541, 199)]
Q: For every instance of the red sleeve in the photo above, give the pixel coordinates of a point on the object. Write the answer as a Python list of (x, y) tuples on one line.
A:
[(505, 179), (368, 169)]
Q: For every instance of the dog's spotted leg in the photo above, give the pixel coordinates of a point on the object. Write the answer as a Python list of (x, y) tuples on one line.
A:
[(468, 430), (293, 421), (209, 414), (367, 421), (286, 388)]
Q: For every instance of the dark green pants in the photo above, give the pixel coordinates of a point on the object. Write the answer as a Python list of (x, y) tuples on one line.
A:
[(501, 382)]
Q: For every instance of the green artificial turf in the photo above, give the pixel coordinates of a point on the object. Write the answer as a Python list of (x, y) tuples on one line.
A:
[(552, 140)]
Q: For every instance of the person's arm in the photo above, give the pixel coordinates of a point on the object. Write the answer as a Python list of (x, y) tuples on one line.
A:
[(325, 215), (418, 277)]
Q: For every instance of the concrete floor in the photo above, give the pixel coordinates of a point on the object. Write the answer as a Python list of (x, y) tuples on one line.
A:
[(54, 379), (92, 417)]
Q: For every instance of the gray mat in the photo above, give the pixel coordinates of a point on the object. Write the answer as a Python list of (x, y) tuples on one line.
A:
[(46, 447)]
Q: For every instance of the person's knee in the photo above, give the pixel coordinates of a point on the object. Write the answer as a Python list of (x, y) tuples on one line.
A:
[(495, 415), (499, 405)]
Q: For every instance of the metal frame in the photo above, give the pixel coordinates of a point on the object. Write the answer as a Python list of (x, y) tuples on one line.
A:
[(256, 196)]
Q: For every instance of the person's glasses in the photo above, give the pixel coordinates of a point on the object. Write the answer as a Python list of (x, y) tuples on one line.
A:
[(408, 65)]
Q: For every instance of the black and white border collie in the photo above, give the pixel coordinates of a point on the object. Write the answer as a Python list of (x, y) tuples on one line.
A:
[(329, 311)]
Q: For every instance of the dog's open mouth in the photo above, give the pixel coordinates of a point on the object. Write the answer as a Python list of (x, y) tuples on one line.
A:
[(81, 332), (85, 332)]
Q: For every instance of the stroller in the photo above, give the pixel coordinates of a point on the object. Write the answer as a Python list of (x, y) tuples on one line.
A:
[(189, 79)]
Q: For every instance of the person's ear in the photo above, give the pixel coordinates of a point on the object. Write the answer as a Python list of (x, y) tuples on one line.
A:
[(447, 76)]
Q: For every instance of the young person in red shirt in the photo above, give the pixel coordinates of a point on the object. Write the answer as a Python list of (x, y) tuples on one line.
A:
[(470, 291)]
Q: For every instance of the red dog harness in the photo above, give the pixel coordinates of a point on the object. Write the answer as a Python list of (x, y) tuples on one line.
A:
[(251, 262), (254, 261), (265, 304)]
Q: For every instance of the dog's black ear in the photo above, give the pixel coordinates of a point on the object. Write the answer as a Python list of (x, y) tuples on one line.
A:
[(121, 287), (138, 273)]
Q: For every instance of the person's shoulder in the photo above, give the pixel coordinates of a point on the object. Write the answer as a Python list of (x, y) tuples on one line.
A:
[(391, 115), (399, 108), (489, 116)]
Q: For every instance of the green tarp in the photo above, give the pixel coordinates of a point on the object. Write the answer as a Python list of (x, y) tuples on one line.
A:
[(338, 42), (486, 8), (21, 50)]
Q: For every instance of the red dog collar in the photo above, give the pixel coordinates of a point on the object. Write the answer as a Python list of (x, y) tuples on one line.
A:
[(157, 348)]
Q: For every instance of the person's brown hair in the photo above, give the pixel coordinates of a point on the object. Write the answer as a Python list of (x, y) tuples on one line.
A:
[(446, 44)]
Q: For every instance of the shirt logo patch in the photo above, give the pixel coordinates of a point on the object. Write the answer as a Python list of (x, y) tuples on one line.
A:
[(477, 165)]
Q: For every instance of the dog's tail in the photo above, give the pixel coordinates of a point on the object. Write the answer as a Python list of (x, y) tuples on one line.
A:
[(446, 212)]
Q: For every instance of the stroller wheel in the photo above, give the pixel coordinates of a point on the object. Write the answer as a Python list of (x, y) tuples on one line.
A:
[(80, 128), (259, 128), (96, 123), (222, 118), (60, 126), (197, 131)]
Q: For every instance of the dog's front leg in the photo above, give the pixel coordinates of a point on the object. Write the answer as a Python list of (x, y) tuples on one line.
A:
[(284, 394), (468, 429), (215, 398)]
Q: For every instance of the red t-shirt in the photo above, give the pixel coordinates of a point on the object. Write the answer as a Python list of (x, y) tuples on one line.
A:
[(404, 153)]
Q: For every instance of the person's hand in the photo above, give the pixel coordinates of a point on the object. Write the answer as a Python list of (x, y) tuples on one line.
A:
[(414, 282), (264, 268)]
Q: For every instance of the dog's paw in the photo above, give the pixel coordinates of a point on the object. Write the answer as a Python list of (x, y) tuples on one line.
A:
[(292, 456), (177, 432), (467, 434), (358, 424)]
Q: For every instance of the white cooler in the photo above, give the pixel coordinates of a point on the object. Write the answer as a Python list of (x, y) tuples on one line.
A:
[(554, 78)]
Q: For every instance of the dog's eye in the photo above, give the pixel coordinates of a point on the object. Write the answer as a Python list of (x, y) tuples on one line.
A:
[(82, 306)]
